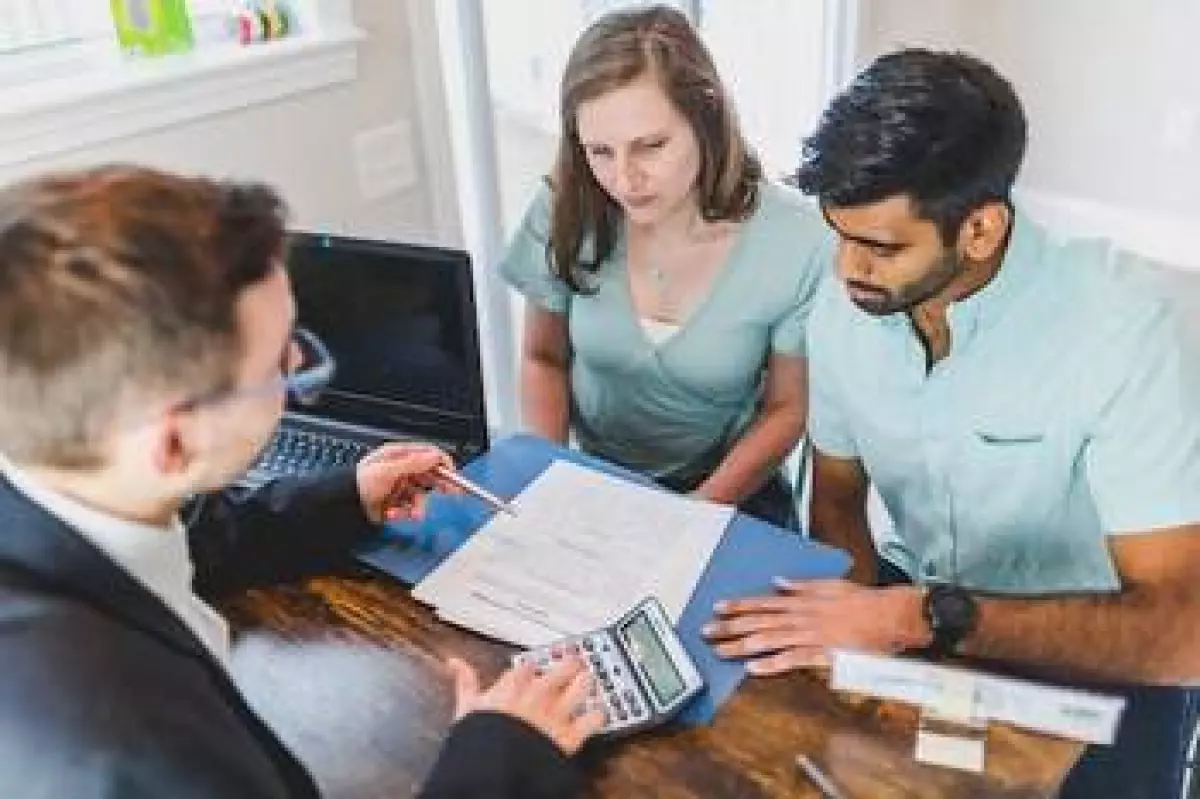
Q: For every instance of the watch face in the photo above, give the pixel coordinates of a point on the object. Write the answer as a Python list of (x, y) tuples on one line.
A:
[(952, 610)]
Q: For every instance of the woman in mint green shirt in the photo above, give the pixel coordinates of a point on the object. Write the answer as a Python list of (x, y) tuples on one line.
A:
[(668, 283)]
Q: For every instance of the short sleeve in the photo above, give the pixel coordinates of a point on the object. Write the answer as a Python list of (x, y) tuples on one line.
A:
[(828, 424), (789, 334), (525, 265), (1143, 456)]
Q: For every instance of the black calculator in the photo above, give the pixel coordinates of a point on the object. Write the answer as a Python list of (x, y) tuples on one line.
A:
[(643, 674)]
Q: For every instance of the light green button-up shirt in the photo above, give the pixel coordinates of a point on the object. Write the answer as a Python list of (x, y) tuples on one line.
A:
[(673, 410), (1060, 416)]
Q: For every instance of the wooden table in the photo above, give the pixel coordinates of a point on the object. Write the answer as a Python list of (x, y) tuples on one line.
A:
[(347, 670)]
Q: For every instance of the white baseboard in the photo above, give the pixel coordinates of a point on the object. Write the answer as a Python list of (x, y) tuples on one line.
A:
[(1158, 236)]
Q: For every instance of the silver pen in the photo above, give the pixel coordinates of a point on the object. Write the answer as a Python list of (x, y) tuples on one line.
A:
[(451, 476), (818, 778)]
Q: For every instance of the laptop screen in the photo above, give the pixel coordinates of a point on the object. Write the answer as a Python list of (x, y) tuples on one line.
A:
[(400, 321)]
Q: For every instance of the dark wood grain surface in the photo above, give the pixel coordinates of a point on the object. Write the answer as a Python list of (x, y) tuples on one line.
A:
[(348, 671)]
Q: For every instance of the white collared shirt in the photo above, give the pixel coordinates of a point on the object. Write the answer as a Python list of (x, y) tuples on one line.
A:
[(156, 557)]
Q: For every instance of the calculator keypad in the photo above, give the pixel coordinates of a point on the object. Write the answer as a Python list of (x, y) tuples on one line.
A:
[(616, 691)]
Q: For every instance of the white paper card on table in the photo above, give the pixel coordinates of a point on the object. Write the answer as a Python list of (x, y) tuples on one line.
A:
[(952, 751), (1069, 713), (583, 548)]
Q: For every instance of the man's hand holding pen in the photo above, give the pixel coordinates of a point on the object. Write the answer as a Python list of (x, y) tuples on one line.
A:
[(394, 479)]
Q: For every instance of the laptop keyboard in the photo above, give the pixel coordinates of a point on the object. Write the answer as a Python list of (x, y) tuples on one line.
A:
[(298, 452)]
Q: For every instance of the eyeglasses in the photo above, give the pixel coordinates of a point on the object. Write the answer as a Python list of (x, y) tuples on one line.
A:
[(305, 371), (305, 378)]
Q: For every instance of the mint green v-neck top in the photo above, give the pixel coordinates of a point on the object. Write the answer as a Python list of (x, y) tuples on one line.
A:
[(673, 410)]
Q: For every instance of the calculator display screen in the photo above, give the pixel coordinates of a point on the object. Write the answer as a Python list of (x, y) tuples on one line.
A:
[(645, 647)]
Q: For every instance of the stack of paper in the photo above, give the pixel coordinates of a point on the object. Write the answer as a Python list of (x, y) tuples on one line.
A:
[(583, 549)]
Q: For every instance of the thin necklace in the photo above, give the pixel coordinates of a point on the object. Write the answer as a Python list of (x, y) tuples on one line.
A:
[(670, 295), (667, 295)]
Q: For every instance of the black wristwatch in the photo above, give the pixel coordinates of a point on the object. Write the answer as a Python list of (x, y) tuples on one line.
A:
[(952, 614)]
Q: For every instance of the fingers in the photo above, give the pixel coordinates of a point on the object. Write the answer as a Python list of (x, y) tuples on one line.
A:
[(415, 466), (577, 689), (813, 588), (736, 626), (556, 681), (519, 677), (549, 702), (510, 687), (789, 660), (466, 687), (406, 504), (397, 450), (758, 604), (569, 716), (584, 726), (394, 479), (763, 642)]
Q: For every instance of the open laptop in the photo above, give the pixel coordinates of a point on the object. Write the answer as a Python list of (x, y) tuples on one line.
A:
[(400, 322)]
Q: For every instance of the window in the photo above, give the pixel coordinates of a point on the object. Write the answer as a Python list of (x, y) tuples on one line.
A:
[(65, 85), (44, 39), (30, 24)]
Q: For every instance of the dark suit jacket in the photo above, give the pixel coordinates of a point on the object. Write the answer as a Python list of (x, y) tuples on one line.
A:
[(104, 693)]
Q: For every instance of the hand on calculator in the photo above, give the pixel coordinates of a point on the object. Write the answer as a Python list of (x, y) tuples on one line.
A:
[(549, 702)]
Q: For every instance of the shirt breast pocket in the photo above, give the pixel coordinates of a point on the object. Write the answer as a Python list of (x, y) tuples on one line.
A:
[(1020, 467)]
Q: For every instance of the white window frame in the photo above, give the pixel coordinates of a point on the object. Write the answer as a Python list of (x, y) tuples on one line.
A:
[(31, 24), (94, 94)]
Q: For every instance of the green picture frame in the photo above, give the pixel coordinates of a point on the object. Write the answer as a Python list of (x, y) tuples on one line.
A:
[(152, 27)]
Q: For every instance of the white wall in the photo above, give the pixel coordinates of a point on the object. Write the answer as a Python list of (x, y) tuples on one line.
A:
[(304, 144), (1113, 99)]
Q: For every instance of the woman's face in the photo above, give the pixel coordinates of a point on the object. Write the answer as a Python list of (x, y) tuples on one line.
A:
[(641, 150)]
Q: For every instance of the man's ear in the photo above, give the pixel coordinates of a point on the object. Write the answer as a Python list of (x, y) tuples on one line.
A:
[(171, 455), (984, 231)]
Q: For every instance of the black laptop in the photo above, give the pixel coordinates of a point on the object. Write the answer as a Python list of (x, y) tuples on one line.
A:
[(400, 322)]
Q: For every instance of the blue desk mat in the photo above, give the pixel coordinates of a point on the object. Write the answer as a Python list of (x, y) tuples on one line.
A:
[(750, 554)]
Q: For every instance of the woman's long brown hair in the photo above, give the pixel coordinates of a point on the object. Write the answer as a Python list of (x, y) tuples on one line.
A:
[(615, 50)]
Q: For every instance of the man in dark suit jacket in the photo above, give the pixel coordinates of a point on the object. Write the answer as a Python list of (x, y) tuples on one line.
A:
[(146, 346)]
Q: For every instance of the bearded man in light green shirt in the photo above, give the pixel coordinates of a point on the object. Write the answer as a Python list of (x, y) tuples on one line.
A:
[(1022, 407)]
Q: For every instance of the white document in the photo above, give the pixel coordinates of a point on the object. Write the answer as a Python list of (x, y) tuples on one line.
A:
[(583, 548), (960, 693)]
